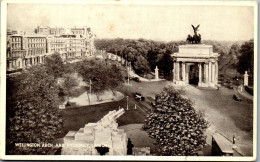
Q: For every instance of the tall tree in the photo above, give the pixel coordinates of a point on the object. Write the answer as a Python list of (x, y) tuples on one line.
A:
[(54, 65), (233, 54), (175, 125), (141, 65), (166, 64), (32, 113), (102, 77), (246, 58), (68, 85)]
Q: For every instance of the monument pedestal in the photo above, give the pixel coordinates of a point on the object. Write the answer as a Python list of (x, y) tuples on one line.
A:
[(181, 83), (201, 84), (104, 133), (212, 85)]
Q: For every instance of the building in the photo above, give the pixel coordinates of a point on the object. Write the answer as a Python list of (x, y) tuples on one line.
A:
[(57, 45), (15, 52), (29, 50), (196, 64), (36, 49), (49, 31)]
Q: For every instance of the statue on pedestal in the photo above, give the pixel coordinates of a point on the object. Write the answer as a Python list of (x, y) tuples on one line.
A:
[(196, 38), (156, 73), (246, 79), (195, 29)]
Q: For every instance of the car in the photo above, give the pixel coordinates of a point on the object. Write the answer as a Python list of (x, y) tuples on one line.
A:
[(236, 97), (151, 101), (139, 97), (130, 78), (136, 79), (230, 86), (113, 57)]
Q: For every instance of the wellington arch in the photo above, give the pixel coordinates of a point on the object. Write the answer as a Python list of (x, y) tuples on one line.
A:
[(195, 64)]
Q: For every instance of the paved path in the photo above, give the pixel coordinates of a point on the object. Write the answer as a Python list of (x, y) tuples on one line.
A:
[(108, 96), (138, 136), (225, 115), (241, 90)]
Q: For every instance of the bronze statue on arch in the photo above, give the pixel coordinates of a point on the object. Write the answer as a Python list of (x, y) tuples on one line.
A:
[(196, 38)]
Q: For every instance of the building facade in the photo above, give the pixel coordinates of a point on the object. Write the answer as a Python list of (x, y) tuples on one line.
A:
[(15, 52), (29, 50)]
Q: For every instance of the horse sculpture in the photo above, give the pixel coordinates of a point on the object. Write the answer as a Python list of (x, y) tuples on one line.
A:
[(196, 38)]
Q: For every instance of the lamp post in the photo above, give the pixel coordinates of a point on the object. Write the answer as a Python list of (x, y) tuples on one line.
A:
[(127, 103), (128, 75), (90, 83)]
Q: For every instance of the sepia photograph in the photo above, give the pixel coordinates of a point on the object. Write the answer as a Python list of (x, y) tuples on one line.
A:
[(128, 80)]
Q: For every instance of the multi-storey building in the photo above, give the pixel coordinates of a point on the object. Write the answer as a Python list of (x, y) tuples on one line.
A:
[(25, 51), (15, 52), (68, 46), (57, 45), (36, 49), (29, 50), (50, 31)]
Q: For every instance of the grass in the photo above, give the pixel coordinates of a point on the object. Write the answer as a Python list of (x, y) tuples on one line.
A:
[(76, 118)]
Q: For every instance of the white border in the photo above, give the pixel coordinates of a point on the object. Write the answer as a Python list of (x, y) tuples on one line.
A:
[(145, 158)]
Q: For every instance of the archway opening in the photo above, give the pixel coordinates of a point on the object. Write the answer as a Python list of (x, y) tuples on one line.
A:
[(194, 74)]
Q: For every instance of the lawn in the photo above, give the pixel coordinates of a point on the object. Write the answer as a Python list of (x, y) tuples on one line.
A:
[(75, 118)]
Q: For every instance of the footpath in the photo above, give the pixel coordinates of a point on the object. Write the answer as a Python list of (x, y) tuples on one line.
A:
[(241, 90), (91, 99)]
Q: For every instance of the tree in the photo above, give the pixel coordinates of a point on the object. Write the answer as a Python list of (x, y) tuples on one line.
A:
[(32, 113), (115, 77), (152, 58), (233, 54), (102, 77), (141, 65), (69, 84), (54, 65), (246, 58), (175, 125), (166, 64)]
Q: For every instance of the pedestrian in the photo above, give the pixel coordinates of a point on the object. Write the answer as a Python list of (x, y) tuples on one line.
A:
[(129, 147)]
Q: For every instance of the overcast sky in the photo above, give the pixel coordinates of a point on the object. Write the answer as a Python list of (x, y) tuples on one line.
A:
[(164, 22)]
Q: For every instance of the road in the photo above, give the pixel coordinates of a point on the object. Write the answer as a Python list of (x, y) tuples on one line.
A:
[(224, 114)]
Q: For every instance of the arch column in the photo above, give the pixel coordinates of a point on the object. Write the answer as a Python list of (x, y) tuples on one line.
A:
[(174, 71), (206, 73), (200, 74), (210, 67), (183, 71), (177, 71), (213, 73), (216, 72)]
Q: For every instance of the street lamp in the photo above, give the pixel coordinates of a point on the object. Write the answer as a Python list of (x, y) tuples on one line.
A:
[(127, 103), (90, 83), (128, 75)]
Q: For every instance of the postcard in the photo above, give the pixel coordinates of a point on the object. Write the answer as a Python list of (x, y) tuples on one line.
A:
[(128, 80)]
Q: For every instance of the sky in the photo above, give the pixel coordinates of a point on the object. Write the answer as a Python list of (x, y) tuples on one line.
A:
[(155, 22)]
